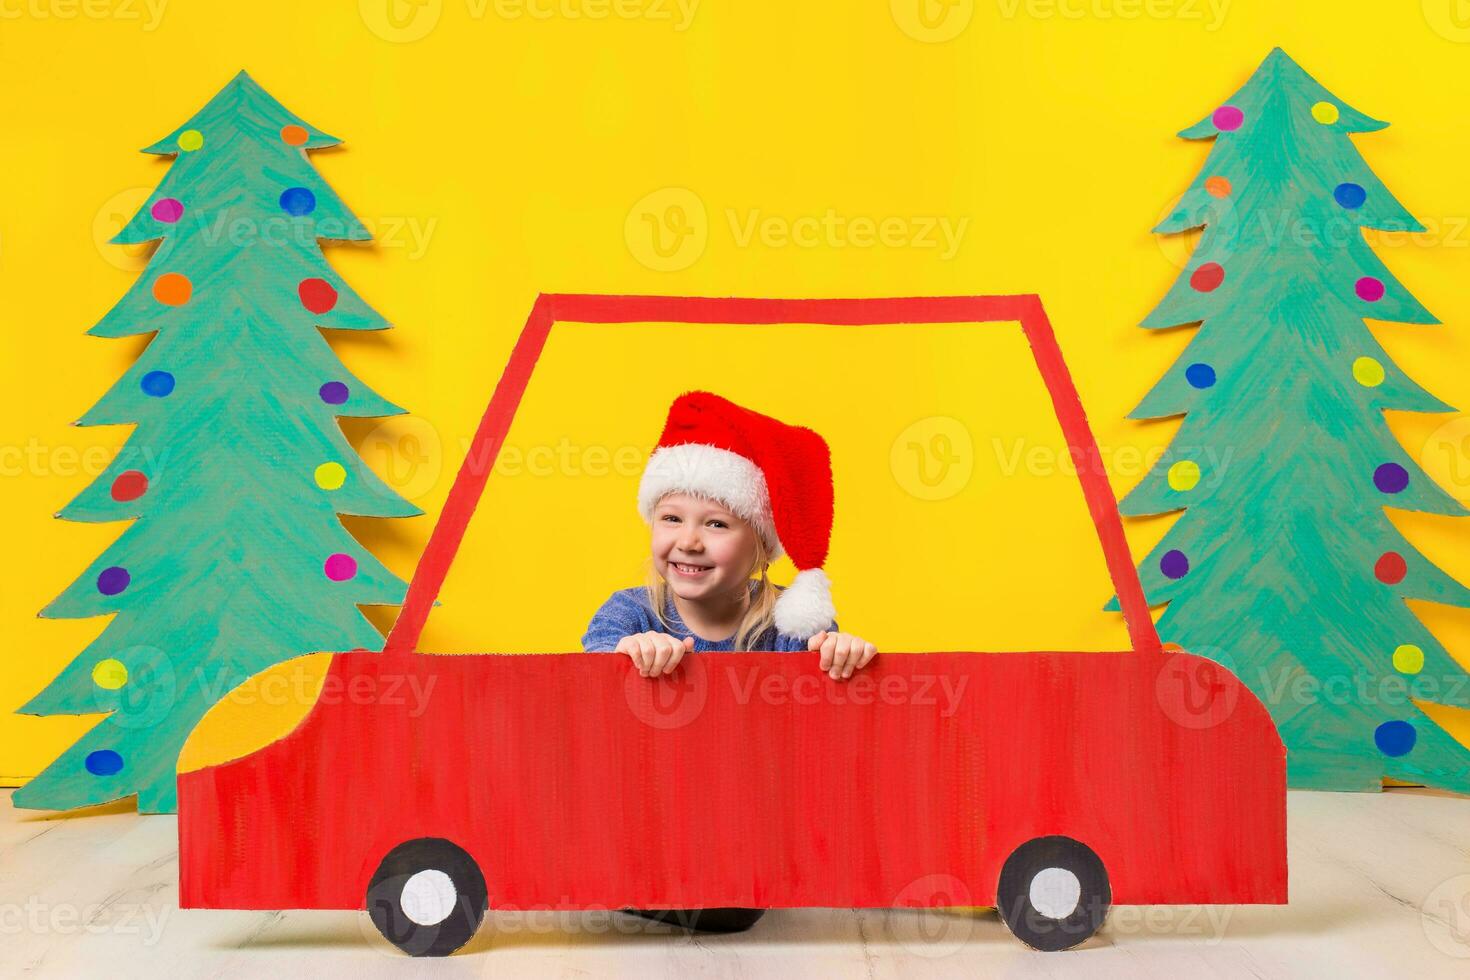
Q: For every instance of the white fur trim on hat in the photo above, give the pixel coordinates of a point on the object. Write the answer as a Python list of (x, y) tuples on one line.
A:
[(804, 608), (713, 473)]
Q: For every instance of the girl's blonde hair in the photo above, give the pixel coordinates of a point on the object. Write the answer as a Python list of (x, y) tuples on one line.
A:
[(758, 618)]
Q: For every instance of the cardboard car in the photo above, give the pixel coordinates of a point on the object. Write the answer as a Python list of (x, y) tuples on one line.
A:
[(1050, 784)]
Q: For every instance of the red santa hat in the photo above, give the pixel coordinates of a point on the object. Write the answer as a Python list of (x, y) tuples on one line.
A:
[(776, 476)]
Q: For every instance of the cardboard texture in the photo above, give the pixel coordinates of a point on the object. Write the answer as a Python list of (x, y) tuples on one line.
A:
[(237, 469), (751, 779), (1284, 565)]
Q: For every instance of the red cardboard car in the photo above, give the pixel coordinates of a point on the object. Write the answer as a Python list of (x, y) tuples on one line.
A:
[(1049, 784)]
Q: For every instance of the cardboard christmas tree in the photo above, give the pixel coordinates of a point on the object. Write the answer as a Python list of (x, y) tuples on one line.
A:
[(237, 470), (1284, 564)]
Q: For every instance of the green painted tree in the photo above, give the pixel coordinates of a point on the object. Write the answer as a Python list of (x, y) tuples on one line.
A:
[(1284, 564), (237, 470)]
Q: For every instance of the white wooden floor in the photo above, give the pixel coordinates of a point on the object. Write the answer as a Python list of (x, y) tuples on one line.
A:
[(1380, 886)]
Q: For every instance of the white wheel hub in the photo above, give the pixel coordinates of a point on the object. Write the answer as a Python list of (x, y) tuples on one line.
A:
[(1055, 892), (428, 897)]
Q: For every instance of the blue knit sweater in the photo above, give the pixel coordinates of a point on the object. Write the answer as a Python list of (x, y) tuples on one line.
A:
[(629, 611)]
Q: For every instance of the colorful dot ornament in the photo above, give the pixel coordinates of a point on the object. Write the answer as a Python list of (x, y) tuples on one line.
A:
[(1218, 186), (1207, 278), (1174, 564), (1391, 478), (104, 762), (172, 289), (1325, 113), (129, 485), (1395, 738), (190, 140), (333, 392), (1369, 289), (331, 476), (1200, 375), (1184, 475), (294, 135), (1350, 196), (110, 674), (167, 210), (340, 567), (317, 295), (1368, 372), (1227, 118), (112, 581), (1390, 568), (1408, 658), (297, 201), (157, 384)]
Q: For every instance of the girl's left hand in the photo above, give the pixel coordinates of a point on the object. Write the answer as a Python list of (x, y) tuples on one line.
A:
[(842, 653)]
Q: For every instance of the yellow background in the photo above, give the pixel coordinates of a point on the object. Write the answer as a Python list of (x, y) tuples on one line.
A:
[(501, 149)]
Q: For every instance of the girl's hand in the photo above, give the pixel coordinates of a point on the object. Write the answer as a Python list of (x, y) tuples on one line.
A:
[(842, 653), (655, 653)]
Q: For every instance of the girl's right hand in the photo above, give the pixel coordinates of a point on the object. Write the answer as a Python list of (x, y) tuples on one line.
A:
[(655, 653)]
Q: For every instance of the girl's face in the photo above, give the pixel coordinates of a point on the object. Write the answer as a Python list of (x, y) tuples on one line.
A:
[(700, 548)]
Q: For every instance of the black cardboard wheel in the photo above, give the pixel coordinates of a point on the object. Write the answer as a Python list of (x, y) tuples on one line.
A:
[(427, 897), (1053, 893)]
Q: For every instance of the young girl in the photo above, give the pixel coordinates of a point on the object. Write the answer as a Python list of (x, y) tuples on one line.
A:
[(727, 491)]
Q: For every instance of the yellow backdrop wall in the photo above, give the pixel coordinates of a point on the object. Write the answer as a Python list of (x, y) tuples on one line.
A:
[(501, 147)]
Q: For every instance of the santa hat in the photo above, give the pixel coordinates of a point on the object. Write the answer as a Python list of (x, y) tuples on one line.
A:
[(776, 476)]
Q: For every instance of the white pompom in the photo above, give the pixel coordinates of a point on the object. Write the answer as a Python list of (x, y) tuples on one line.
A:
[(804, 608)]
